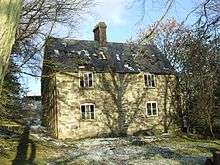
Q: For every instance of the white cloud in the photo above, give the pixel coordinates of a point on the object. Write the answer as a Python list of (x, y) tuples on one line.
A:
[(111, 11)]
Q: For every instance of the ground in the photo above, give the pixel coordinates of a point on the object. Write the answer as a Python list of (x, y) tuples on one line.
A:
[(130, 150)]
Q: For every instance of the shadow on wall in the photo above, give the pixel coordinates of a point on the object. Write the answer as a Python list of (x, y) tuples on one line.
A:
[(23, 157), (124, 100)]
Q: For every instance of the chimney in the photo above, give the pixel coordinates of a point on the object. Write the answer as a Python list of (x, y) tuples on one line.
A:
[(100, 34)]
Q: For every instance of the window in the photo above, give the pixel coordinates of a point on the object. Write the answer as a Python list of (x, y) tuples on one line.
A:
[(87, 111), (152, 108), (149, 80), (86, 80)]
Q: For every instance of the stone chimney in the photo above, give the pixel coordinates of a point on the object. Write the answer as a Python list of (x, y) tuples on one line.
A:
[(100, 34)]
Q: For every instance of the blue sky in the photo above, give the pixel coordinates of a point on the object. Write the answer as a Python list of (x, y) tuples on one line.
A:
[(123, 19)]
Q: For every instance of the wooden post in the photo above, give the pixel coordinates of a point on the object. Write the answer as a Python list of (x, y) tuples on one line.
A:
[(208, 161), (216, 158)]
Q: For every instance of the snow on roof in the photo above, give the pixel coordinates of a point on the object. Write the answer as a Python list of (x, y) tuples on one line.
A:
[(118, 57), (56, 52), (102, 55), (85, 53), (81, 67), (129, 67)]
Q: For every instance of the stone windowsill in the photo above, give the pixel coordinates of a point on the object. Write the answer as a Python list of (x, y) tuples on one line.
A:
[(86, 88), (88, 120), (146, 87)]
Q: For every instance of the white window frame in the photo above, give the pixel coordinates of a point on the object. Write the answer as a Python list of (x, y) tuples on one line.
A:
[(81, 75), (151, 102), (86, 113), (149, 85)]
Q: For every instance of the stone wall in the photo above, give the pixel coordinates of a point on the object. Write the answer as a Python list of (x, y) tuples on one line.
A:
[(134, 98)]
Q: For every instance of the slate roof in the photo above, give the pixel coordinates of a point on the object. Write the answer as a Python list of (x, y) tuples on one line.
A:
[(68, 55)]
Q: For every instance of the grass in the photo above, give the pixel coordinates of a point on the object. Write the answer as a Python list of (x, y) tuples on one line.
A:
[(44, 151), (186, 145), (175, 150)]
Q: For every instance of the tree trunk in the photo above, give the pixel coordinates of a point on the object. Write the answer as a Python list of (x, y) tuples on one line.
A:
[(9, 16)]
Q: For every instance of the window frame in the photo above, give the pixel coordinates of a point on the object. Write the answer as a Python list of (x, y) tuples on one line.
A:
[(81, 75), (87, 104), (146, 84), (151, 115)]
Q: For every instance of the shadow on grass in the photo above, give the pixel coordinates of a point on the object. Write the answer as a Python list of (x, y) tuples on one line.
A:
[(68, 159), (212, 150), (23, 157), (167, 153), (148, 152)]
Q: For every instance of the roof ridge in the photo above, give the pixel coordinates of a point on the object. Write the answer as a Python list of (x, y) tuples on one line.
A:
[(72, 39)]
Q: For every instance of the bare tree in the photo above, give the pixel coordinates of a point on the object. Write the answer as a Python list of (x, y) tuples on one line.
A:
[(167, 7), (209, 18), (194, 56), (39, 19)]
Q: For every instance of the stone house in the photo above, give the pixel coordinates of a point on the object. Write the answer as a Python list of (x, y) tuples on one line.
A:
[(94, 88)]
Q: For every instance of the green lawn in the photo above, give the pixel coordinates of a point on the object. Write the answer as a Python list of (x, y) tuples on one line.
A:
[(178, 150)]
